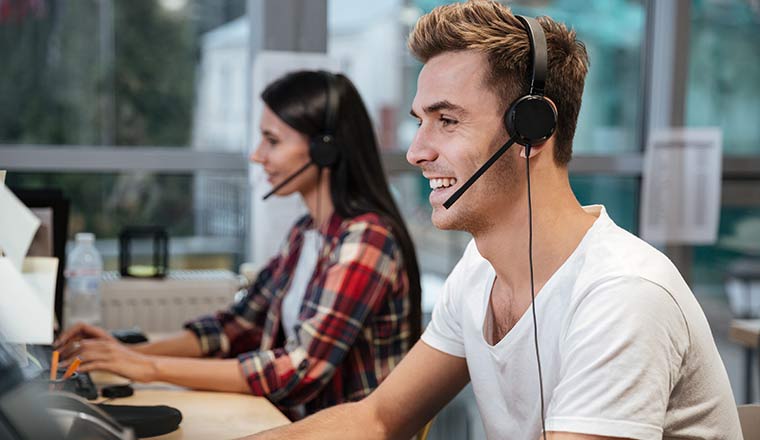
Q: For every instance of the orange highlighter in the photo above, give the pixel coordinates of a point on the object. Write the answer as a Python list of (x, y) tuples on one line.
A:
[(54, 365), (72, 368)]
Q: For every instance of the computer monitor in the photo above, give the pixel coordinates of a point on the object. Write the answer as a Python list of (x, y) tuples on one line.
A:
[(52, 208)]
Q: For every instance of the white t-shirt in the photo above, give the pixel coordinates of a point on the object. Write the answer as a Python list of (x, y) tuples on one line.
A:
[(626, 350), (307, 262)]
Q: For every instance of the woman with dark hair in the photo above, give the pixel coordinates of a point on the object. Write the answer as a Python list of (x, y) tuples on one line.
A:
[(328, 317)]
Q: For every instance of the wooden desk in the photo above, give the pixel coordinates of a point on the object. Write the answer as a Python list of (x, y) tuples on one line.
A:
[(205, 414), (746, 332)]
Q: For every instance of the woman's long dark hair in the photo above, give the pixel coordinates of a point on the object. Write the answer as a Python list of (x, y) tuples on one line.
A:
[(357, 182)]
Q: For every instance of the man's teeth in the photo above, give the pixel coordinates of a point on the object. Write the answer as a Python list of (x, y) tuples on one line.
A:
[(442, 183)]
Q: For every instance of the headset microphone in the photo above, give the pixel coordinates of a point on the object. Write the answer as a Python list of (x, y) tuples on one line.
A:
[(454, 197), (286, 181)]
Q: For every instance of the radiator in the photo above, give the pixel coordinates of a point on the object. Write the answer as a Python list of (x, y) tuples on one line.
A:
[(163, 305)]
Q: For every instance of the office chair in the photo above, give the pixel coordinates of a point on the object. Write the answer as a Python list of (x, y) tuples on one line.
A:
[(749, 418)]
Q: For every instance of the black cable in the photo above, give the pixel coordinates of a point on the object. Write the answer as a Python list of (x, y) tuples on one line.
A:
[(533, 291), (318, 226)]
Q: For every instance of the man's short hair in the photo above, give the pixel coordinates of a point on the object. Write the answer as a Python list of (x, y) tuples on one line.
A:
[(491, 28)]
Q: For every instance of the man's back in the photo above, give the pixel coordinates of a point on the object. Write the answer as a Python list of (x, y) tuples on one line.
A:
[(625, 348)]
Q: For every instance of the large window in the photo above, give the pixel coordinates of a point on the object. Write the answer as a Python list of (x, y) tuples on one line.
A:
[(723, 90), (724, 67), (90, 72), (130, 76), (203, 212)]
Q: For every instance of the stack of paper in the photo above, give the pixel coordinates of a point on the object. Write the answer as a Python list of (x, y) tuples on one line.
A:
[(27, 285)]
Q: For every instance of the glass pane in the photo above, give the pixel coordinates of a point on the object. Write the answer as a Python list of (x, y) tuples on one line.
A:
[(360, 35), (738, 240), (205, 214), (724, 64), (104, 72), (619, 195), (368, 40)]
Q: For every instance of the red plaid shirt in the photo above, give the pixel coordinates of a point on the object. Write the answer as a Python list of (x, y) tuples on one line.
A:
[(354, 319)]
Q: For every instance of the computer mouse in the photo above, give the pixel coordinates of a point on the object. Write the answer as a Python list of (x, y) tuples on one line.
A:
[(117, 391)]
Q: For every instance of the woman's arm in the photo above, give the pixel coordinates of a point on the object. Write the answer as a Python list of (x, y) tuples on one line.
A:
[(203, 374), (183, 344)]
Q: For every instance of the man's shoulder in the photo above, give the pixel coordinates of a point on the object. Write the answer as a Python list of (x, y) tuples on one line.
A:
[(616, 253)]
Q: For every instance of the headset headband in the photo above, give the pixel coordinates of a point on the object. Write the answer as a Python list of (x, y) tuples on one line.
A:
[(331, 105), (538, 49)]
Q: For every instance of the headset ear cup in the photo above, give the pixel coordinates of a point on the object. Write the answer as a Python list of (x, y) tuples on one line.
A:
[(323, 151), (531, 120)]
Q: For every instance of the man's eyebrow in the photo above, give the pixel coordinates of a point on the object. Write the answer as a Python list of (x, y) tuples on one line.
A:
[(439, 106)]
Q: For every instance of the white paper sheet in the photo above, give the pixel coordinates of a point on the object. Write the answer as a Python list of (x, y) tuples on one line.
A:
[(27, 301), (680, 202), (17, 227)]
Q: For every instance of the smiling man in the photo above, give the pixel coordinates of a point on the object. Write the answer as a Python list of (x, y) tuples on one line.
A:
[(625, 350)]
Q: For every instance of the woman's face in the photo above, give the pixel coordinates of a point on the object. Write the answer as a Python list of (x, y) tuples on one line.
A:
[(282, 151)]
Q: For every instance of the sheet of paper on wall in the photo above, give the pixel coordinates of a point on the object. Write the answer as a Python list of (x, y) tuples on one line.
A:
[(680, 202), (17, 227), (26, 301), (2, 176)]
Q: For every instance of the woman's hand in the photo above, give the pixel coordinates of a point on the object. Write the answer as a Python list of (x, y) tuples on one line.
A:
[(112, 356), (68, 343)]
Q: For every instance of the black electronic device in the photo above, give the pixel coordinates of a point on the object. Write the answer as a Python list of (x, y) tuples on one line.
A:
[(323, 151), (159, 254), (146, 421), (117, 391), (130, 336)]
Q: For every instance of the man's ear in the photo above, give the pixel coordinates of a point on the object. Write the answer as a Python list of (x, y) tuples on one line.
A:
[(535, 150)]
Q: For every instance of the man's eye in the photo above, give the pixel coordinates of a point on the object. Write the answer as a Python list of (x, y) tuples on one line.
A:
[(447, 122)]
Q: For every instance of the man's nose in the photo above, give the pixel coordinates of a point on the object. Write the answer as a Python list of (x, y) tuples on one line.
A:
[(421, 149)]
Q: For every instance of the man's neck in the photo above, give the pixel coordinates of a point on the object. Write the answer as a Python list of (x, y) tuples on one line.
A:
[(559, 225)]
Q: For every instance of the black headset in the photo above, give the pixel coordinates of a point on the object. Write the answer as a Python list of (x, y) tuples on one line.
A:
[(322, 148), (323, 151), (532, 119)]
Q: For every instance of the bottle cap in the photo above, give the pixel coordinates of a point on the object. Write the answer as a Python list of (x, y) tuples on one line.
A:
[(85, 237)]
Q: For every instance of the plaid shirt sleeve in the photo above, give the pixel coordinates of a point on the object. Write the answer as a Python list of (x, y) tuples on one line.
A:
[(239, 328), (362, 271)]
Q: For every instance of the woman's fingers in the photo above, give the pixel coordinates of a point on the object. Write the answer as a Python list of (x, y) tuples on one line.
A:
[(79, 331), (88, 350)]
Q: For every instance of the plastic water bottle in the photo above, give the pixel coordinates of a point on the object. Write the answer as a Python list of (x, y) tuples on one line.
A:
[(83, 269)]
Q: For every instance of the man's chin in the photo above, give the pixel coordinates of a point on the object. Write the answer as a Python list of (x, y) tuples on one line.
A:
[(444, 219)]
